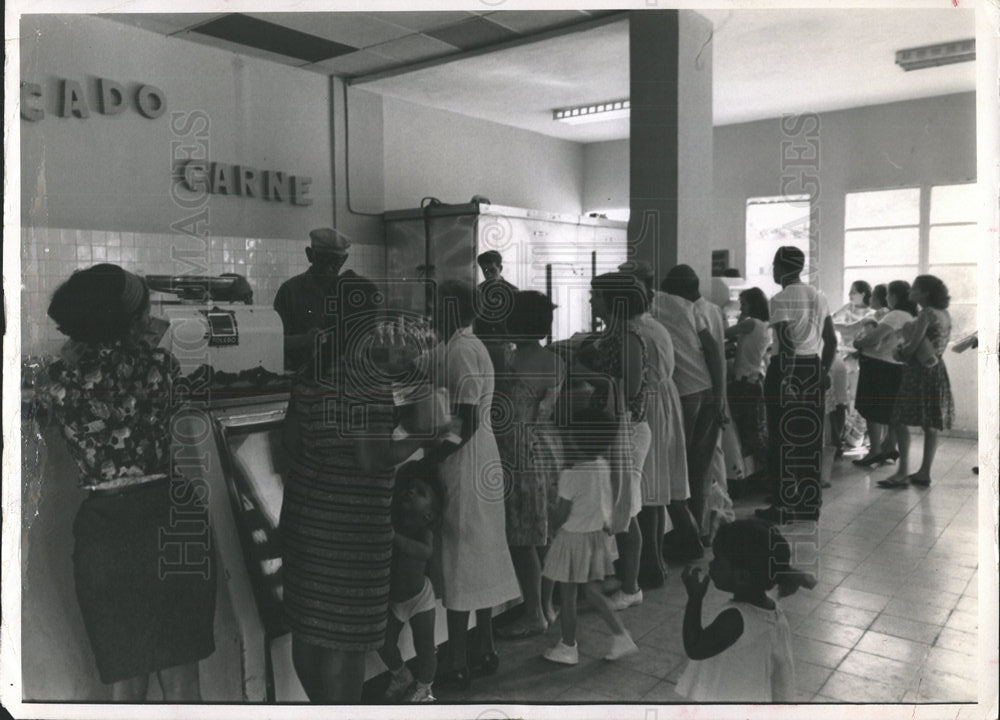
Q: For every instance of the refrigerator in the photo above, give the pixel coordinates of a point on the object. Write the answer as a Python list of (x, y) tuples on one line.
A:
[(553, 253)]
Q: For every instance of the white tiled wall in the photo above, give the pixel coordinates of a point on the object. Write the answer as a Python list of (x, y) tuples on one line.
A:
[(50, 255)]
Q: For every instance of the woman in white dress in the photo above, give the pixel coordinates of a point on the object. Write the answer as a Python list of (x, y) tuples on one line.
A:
[(475, 565)]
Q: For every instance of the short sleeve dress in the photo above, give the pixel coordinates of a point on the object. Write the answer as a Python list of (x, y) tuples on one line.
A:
[(336, 527), (145, 606), (924, 398)]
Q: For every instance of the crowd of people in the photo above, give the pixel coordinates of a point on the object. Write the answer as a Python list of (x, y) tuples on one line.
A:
[(581, 467)]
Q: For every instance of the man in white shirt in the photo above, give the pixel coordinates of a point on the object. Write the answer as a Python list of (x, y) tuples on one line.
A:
[(794, 385)]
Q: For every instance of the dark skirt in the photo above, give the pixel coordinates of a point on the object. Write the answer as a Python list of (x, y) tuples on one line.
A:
[(145, 577), (924, 398), (878, 387)]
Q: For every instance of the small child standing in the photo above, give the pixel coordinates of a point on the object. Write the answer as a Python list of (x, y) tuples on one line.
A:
[(417, 506), (745, 654), (579, 554)]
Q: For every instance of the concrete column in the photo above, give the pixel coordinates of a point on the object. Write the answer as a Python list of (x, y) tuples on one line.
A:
[(670, 150)]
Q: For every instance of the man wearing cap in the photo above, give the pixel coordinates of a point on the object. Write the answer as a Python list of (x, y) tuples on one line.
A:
[(493, 302), (301, 300)]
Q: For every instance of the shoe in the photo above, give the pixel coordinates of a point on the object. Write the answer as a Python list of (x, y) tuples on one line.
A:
[(894, 484), (422, 693), (485, 664), (868, 460), (518, 630), (456, 679), (914, 479), (621, 645), (563, 654), (622, 600), (399, 683), (891, 456)]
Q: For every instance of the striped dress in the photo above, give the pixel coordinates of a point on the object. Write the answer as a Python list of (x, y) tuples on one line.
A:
[(336, 527)]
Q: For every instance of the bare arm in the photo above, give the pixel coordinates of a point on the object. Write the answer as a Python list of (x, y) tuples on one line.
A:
[(702, 643), (562, 511), (716, 361), (829, 344), (743, 327), (422, 548), (872, 338), (468, 415), (916, 334)]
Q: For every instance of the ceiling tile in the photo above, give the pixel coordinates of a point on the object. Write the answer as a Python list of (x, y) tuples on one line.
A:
[(361, 62), (274, 38), (360, 30), (530, 21), (414, 47), (421, 21), (163, 23), (473, 33), (237, 48)]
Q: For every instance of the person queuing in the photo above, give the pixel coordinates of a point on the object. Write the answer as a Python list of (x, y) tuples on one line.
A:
[(752, 333), (924, 398), (111, 395), (526, 394), (494, 301), (700, 375), (301, 301), (664, 473), (793, 387), (476, 571), (880, 374), (337, 504)]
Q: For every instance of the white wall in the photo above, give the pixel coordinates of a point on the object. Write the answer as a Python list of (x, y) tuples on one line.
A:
[(605, 175), (451, 157)]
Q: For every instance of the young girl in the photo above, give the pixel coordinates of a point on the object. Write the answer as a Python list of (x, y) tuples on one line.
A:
[(416, 509), (745, 654), (746, 390), (580, 555)]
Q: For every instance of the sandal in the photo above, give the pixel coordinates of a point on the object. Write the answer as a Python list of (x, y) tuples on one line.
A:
[(519, 631), (893, 484), (917, 480)]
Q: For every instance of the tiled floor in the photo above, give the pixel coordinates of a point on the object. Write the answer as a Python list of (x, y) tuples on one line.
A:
[(893, 619)]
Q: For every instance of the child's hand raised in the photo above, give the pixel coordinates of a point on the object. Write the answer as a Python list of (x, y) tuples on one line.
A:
[(694, 584)]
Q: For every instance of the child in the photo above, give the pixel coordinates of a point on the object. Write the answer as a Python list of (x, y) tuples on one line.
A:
[(417, 507), (579, 554), (745, 654), (746, 388)]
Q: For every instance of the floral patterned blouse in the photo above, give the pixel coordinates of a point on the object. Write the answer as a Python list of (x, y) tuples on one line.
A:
[(113, 402), (610, 353)]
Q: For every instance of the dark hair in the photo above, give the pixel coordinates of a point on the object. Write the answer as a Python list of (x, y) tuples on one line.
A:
[(681, 280), (426, 471), (593, 432), (937, 291), (790, 259), (490, 257), (881, 293), (619, 289), (900, 289), (457, 296), (759, 549), (89, 308), (865, 289), (531, 316), (756, 302), (731, 273)]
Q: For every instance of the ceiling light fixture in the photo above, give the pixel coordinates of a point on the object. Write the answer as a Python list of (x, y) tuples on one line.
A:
[(595, 112), (935, 55)]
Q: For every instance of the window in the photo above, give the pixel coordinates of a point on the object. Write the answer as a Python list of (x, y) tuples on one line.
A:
[(771, 223), (886, 239)]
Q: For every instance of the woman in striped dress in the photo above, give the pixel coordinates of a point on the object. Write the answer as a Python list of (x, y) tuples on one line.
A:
[(335, 523)]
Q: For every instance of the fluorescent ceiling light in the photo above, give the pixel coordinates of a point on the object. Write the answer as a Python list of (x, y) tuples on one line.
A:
[(595, 112), (935, 55)]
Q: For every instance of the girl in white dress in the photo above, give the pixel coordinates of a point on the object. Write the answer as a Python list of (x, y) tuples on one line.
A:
[(745, 654)]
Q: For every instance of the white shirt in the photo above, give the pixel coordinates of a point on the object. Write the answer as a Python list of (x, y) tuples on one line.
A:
[(588, 486), (804, 309), (758, 667), (678, 316), (895, 319), (750, 350)]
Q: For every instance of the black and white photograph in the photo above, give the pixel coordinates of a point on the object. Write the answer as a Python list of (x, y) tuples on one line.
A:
[(493, 359)]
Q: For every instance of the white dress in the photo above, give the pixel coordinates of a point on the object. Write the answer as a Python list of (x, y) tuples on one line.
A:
[(475, 566), (758, 667), (665, 470)]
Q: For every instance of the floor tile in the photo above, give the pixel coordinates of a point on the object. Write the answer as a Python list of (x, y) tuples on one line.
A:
[(896, 648), (844, 687), (968, 605), (912, 610), (831, 632), (584, 695), (665, 692), (965, 622), (617, 680), (943, 660), (945, 687), (844, 614), (809, 678), (818, 652), (886, 670), (908, 629), (961, 642), (859, 599)]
